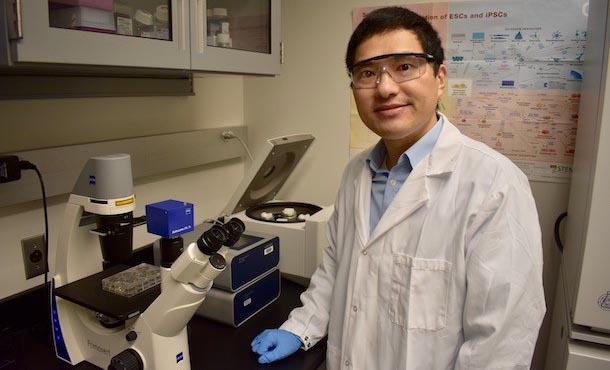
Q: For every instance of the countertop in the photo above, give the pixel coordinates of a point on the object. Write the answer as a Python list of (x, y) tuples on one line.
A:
[(213, 346)]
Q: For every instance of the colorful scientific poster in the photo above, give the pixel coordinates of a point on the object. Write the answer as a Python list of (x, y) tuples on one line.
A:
[(514, 77)]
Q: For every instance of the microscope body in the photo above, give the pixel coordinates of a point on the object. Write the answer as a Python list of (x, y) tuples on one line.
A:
[(77, 332), (157, 338)]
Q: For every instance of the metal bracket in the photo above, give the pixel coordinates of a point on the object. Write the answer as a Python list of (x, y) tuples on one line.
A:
[(281, 53)]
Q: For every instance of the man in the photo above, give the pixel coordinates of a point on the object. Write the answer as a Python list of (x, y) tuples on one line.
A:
[(435, 257)]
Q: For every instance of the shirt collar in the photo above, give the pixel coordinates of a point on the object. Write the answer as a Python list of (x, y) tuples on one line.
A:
[(376, 159), (412, 156)]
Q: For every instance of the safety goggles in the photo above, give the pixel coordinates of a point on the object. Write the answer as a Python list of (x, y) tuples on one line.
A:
[(400, 67)]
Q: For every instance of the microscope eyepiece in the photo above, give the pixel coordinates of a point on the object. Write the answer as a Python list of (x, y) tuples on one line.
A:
[(212, 240), (234, 228)]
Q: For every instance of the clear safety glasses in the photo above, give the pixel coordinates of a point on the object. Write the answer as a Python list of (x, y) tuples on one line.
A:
[(401, 67)]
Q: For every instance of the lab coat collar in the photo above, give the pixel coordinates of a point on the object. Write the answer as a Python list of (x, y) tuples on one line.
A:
[(415, 192), (444, 155)]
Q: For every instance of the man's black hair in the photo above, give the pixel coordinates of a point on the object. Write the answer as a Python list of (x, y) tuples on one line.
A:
[(395, 18)]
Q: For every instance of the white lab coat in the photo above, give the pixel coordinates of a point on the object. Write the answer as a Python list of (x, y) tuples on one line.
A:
[(451, 277)]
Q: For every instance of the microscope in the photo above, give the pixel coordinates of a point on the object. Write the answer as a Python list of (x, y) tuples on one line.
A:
[(143, 332)]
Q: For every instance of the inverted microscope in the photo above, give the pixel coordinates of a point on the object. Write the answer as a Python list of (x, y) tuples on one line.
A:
[(146, 331)]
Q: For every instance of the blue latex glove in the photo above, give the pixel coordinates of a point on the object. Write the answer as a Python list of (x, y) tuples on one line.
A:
[(275, 344)]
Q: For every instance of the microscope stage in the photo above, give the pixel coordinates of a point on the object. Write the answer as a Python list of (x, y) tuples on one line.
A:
[(88, 293)]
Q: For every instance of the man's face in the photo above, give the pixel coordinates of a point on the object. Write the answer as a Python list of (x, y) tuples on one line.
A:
[(401, 112)]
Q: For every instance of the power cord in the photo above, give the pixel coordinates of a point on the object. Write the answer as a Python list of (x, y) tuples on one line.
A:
[(227, 135), (25, 165), (10, 170)]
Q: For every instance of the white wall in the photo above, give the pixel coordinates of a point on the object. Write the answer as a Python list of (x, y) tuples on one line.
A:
[(312, 95), (32, 124)]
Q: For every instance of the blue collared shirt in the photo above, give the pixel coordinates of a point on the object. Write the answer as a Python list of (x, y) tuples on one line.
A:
[(386, 184)]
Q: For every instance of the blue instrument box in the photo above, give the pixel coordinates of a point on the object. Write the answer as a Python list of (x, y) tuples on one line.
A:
[(252, 256), (234, 308), (169, 218)]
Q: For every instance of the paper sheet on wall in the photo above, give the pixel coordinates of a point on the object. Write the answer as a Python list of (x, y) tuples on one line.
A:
[(514, 78)]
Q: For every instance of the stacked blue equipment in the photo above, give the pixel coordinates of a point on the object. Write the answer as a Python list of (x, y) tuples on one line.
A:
[(250, 282)]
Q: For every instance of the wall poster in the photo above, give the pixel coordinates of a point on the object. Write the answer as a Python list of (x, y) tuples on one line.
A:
[(514, 78)]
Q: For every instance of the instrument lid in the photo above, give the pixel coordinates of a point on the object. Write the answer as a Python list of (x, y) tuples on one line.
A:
[(271, 168)]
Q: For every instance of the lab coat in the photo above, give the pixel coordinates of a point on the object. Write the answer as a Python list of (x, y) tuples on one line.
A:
[(450, 278)]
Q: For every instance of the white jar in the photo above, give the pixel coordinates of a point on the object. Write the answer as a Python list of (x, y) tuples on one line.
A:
[(224, 27), (224, 40), (216, 17), (161, 23), (143, 24)]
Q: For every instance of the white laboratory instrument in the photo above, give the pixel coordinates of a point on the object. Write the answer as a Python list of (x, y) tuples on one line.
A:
[(301, 227), (107, 330), (580, 329)]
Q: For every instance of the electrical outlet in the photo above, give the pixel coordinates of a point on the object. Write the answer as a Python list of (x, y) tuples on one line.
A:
[(34, 259)]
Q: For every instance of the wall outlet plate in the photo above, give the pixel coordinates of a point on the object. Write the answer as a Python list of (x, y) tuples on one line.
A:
[(34, 258)]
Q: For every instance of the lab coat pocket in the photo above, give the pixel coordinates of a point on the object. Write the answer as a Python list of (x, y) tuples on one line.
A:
[(419, 292)]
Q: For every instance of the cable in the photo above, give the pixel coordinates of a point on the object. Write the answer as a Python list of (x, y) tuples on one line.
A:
[(245, 147), (226, 135), (213, 222), (556, 231), (25, 165)]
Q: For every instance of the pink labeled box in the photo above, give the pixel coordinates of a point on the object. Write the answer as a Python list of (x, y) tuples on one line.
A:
[(97, 4)]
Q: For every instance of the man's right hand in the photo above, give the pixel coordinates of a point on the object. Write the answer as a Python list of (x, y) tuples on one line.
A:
[(275, 344)]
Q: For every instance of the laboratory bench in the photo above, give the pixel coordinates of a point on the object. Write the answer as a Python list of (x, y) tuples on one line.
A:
[(25, 343)]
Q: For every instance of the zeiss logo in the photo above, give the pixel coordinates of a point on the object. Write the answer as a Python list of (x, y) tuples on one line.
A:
[(179, 357)]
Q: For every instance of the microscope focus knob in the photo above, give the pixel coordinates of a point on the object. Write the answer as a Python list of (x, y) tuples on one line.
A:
[(129, 359), (131, 336)]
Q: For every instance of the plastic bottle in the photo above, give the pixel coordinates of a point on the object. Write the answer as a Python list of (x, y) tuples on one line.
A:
[(223, 40), (143, 23), (161, 23), (212, 28), (217, 25)]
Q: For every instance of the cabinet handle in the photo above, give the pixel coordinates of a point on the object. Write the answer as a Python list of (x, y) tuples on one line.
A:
[(14, 18)]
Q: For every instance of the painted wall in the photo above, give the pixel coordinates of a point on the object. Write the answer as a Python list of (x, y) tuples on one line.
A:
[(312, 95), (32, 124)]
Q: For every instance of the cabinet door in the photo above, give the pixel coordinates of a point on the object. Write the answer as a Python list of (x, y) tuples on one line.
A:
[(104, 32), (238, 36)]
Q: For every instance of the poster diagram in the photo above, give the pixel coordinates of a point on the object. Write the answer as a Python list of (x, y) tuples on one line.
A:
[(514, 77)]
